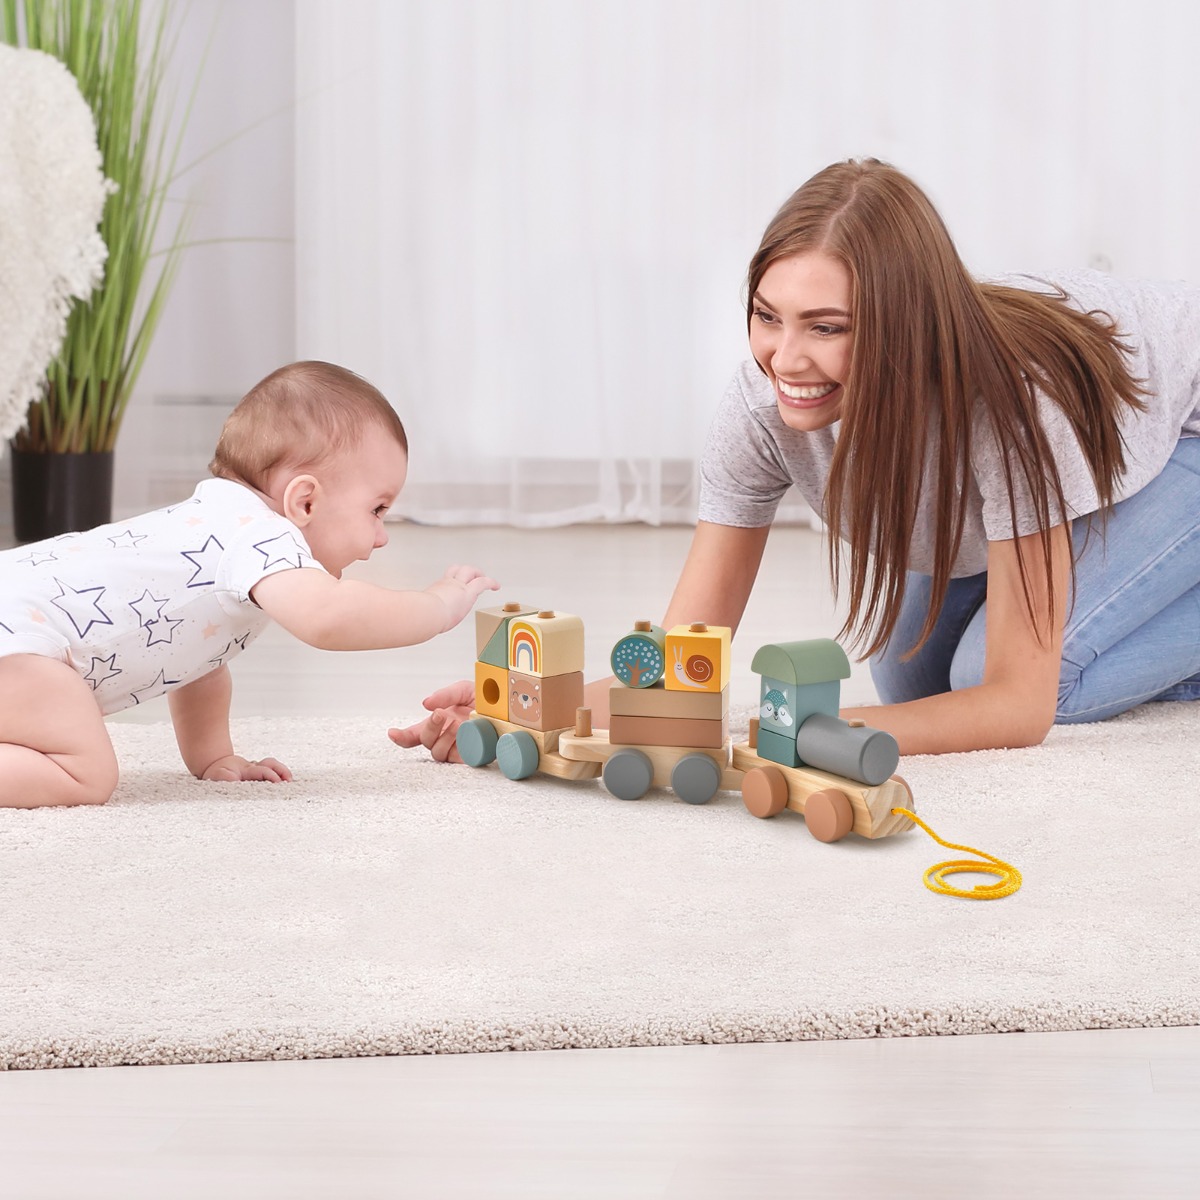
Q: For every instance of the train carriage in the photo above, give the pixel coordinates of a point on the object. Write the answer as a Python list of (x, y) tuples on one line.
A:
[(669, 721)]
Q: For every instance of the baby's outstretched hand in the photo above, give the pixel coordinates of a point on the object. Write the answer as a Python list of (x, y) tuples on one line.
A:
[(235, 769), (458, 590)]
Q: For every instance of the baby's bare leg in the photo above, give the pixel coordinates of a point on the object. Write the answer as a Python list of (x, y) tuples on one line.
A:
[(54, 748)]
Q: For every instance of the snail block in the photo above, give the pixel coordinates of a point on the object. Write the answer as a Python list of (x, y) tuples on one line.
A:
[(698, 658)]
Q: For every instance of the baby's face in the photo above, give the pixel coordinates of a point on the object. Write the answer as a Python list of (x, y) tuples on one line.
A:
[(357, 489)]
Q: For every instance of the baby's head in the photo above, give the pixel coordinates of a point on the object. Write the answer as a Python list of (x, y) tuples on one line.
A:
[(325, 449)]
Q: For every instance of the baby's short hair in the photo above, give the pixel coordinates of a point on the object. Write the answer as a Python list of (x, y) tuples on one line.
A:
[(300, 416)]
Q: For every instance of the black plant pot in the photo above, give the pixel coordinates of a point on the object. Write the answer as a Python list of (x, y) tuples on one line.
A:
[(60, 493)]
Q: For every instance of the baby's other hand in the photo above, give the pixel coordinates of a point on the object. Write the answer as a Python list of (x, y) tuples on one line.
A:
[(235, 769), (458, 590), (438, 733)]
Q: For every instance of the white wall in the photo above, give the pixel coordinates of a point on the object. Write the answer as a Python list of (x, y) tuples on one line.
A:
[(1051, 132), (529, 221), (231, 316)]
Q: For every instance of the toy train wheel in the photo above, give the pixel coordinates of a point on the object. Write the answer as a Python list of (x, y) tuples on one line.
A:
[(628, 774), (476, 742), (828, 815), (695, 778), (517, 754), (764, 791)]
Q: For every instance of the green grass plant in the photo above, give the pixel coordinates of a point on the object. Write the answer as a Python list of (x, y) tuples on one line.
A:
[(119, 59)]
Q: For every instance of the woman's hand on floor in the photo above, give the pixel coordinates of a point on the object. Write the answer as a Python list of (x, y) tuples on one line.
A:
[(448, 708)]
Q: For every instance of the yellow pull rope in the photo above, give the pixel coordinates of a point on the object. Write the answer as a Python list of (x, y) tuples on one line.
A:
[(935, 877)]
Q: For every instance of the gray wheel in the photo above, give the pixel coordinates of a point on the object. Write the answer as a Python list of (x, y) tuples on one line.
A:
[(476, 741), (517, 754), (628, 774), (695, 778)]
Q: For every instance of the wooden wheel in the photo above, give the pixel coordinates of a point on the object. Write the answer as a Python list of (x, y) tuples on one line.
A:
[(517, 754), (695, 778), (828, 815), (764, 791), (476, 741), (628, 774)]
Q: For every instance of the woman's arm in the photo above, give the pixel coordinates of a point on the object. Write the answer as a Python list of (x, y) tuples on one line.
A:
[(713, 587), (1015, 703), (718, 575)]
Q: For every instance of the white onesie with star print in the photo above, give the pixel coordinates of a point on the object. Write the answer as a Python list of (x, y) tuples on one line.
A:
[(146, 605)]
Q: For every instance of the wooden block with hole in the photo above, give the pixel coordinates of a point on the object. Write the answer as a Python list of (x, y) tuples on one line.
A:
[(491, 690), (545, 643), (656, 701), (698, 658), (544, 701)]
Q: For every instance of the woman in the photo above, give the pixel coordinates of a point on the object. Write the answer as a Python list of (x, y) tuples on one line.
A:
[(1013, 468)]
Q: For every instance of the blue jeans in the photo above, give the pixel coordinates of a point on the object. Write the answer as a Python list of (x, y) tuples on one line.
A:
[(1132, 634)]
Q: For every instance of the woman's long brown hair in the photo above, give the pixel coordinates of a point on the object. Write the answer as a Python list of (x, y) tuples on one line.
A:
[(929, 343)]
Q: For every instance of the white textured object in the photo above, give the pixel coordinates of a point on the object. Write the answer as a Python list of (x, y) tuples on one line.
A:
[(383, 904), (52, 194)]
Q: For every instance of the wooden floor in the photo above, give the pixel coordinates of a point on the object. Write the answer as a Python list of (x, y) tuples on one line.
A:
[(1090, 1114)]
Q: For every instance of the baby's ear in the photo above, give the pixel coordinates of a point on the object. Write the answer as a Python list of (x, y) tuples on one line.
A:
[(299, 498)]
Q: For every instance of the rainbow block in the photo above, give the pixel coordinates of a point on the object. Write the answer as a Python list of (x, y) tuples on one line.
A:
[(545, 643)]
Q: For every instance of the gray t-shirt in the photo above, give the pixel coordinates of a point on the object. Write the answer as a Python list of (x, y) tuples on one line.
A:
[(752, 457)]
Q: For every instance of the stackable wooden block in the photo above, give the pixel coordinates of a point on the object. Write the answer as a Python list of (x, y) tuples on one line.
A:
[(799, 679), (544, 701), (530, 666), (491, 631), (655, 716), (638, 659), (777, 747), (491, 690), (545, 643), (656, 701), (698, 658), (667, 731)]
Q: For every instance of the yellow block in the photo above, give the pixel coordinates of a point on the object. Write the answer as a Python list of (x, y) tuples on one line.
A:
[(698, 658), (491, 691)]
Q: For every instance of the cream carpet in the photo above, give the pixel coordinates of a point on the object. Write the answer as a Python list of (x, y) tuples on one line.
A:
[(383, 904)]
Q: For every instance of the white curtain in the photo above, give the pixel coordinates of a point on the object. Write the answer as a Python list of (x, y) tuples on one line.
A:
[(528, 221)]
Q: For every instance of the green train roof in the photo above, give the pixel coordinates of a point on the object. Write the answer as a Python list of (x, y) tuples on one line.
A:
[(817, 660)]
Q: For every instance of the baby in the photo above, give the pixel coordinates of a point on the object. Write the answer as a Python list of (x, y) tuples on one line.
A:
[(91, 623)]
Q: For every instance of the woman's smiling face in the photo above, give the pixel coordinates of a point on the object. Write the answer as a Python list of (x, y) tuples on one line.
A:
[(800, 336)]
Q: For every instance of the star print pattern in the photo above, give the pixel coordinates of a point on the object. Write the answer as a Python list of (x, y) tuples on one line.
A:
[(159, 684), (159, 628), (139, 608), (283, 549), (205, 561), (102, 670), (81, 605)]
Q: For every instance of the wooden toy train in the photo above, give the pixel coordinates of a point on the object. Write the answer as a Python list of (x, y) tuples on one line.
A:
[(669, 721)]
